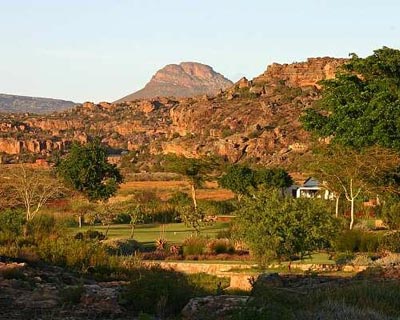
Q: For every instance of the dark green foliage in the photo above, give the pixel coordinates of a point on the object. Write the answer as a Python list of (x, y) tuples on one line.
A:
[(72, 295), (44, 226), (12, 221), (241, 179), (238, 178), (217, 208), (195, 245), (90, 235), (86, 170), (357, 241), (164, 292), (279, 227), (273, 178), (361, 106)]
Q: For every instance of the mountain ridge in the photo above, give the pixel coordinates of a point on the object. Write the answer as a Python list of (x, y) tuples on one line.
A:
[(11, 103), (186, 79)]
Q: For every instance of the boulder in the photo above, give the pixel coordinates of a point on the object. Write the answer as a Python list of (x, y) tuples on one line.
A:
[(213, 307)]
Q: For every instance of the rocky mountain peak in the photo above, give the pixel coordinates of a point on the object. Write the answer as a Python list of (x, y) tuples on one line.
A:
[(186, 79)]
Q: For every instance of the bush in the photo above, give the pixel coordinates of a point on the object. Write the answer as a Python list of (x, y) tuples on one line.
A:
[(391, 214), (357, 241), (217, 208), (122, 247), (391, 242), (219, 246), (157, 291), (194, 245), (44, 226), (71, 295), (90, 235), (274, 226), (12, 221), (165, 292)]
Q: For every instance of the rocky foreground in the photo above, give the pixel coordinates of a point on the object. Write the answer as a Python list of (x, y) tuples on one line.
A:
[(47, 292)]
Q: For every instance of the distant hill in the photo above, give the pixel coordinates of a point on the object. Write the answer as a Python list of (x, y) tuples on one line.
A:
[(18, 104), (186, 79)]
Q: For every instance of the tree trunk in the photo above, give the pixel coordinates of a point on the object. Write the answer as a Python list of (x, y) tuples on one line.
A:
[(352, 214), (108, 228), (80, 220), (132, 231), (194, 197), (337, 206)]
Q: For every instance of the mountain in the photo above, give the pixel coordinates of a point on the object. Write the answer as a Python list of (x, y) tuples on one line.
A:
[(252, 121), (186, 79), (23, 104)]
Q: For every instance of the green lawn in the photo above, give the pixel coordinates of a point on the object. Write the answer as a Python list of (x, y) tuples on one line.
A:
[(146, 234)]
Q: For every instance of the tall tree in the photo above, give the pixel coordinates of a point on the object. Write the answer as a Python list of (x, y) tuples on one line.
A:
[(352, 173), (361, 106), (29, 187), (239, 179), (86, 170)]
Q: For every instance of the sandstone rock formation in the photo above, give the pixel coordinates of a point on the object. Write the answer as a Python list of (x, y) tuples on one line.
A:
[(255, 120), (186, 79)]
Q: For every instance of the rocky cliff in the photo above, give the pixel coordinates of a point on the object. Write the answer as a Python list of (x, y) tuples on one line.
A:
[(253, 120), (187, 79), (13, 103)]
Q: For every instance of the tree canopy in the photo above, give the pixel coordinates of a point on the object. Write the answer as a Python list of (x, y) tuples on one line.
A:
[(361, 106), (240, 179), (275, 226), (86, 170)]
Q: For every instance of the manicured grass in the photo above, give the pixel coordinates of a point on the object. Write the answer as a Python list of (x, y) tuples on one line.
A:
[(146, 234)]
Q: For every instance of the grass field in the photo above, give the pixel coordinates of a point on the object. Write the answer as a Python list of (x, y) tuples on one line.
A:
[(146, 234), (164, 190)]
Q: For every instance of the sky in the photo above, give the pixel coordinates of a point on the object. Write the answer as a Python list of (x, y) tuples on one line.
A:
[(99, 50)]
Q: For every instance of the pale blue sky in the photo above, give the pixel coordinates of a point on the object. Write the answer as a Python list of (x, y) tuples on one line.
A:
[(100, 50)]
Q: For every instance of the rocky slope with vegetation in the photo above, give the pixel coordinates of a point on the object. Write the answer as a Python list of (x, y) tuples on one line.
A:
[(14, 103), (186, 79), (254, 120)]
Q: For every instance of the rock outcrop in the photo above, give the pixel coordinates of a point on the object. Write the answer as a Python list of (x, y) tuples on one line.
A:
[(186, 79), (256, 120), (213, 307)]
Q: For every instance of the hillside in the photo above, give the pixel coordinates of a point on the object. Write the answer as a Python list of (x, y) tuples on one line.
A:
[(254, 121), (16, 104), (187, 79)]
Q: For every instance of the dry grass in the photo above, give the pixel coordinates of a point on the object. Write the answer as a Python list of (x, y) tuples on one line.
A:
[(164, 190)]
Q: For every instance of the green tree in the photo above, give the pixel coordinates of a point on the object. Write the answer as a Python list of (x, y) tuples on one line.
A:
[(194, 170), (276, 178), (86, 170), (279, 227), (361, 106), (239, 179)]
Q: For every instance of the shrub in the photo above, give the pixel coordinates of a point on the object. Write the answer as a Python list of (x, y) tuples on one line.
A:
[(194, 245), (122, 247), (157, 291), (71, 295), (391, 242), (11, 222), (391, 214), (357, 241), (219, 246), (90, 235), (44, 226)]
